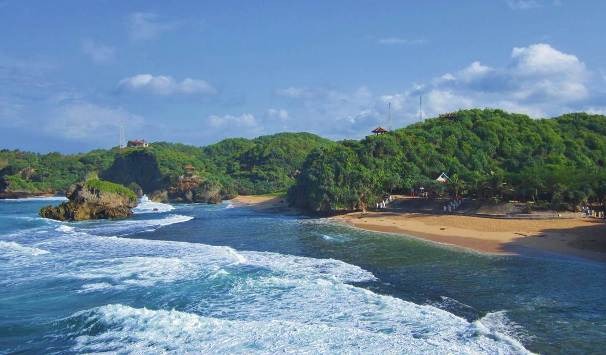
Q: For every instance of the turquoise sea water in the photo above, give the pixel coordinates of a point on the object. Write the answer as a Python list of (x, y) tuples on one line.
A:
[(225, 279)]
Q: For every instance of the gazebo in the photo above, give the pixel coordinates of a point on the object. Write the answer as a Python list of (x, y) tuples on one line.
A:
[(379, 130)]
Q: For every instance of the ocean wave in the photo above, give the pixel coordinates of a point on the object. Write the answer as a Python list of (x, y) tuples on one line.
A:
[(122, 227), (137, 271), (335, 238), (140, 330), (147, 206), (166, 262), (266, 302), (500, 324), (309, 267), (16, 249), (65, 229), (29, 199), (249, 301)]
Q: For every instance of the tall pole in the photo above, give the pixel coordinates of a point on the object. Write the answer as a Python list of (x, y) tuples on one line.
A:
[(389, 115), (122, 145), (420, 108)]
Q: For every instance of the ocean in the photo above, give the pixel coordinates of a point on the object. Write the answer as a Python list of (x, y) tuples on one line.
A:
[(193, 278)]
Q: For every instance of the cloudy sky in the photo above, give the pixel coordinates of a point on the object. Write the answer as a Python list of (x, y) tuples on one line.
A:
[(72, 72)]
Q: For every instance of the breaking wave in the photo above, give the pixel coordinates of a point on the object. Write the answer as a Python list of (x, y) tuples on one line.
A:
[(216, 299), (30, 199), (147, 206), (16, 249), (118, 327), (247, 301)]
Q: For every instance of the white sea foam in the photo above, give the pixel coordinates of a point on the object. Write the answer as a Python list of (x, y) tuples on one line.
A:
[(136, 330), (251, 301), (29, 199), (126, 227), (273, 303), (304, 267), (147, 206), (124, 262), (93, 287), (335, 238), (138, 271), (65, 229), (16, 249)]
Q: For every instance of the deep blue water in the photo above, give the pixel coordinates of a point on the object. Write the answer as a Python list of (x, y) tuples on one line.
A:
[(218, 278)]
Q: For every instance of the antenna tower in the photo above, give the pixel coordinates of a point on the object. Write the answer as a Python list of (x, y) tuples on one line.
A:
[(122, 139), (420, 108), (389, 115)]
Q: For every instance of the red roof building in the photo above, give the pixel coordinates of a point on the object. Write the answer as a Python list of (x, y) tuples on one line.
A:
[(137, 143)]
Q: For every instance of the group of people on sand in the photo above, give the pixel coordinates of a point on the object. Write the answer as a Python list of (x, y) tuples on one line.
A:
[(383, 204), (452, 205), (590, 212)]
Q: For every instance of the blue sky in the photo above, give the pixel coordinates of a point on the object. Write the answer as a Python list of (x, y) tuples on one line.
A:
[(72, 72)]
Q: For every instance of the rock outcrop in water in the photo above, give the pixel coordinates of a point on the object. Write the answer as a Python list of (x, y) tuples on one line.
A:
[(94, 199)]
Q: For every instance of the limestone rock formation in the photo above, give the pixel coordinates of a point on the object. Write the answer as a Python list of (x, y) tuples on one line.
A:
[(94, 199)]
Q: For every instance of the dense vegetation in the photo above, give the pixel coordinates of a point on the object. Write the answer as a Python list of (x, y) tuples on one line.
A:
[(263, 165), (235, 166), (102, 186), (36, 173), (488, 154)]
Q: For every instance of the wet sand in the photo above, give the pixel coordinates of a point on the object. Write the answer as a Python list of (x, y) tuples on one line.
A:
[(577, 237), (266, 203)]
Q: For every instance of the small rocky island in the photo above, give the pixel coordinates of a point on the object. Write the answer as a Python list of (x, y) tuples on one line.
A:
[(93, 199)]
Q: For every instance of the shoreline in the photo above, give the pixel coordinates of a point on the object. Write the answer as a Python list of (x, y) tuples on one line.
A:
[(265, 203), (578, 238), (582, 238)]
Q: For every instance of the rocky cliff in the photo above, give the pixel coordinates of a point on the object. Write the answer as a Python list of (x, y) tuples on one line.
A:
[(94, 199)]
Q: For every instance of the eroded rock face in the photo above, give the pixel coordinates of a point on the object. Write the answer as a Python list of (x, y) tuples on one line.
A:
[(87, 203)]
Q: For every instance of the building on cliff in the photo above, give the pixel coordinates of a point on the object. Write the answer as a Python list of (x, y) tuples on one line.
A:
[(137, 143)]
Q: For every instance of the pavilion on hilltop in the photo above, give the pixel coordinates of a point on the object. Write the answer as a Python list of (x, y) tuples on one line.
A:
[(379, 130)]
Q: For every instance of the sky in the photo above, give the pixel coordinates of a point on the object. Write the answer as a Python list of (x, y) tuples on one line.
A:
[(195, 72)]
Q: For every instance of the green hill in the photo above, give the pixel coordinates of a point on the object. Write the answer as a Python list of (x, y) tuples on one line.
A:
[(234, 166), (488, 154)]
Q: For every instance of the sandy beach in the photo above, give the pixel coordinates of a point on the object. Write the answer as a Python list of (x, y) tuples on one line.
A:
[(265, 203), (578, 237)]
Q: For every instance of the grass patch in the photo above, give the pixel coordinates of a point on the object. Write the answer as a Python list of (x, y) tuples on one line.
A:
[(110, 187)]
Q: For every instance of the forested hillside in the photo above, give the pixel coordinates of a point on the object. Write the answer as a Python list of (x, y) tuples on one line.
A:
[(233, 166), (488, 154)]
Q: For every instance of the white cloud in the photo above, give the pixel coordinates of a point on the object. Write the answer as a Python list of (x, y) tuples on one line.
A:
[(331, 112), (537, 75), (166, 85), (523, 4), (473, 71), (542, 59), (245, 120), (279, 114), (147, 25), (87, 121), (295, 92), (539, 80), (98, 53), (400, 41)]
